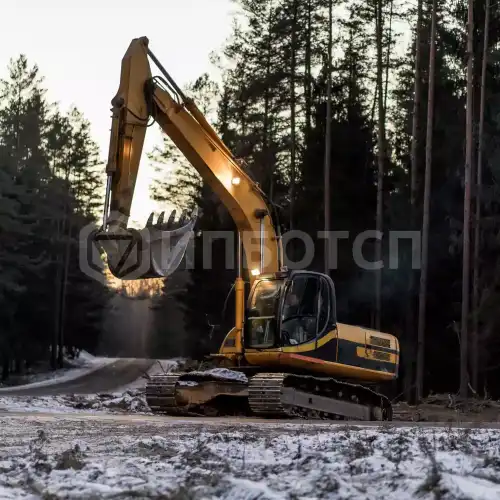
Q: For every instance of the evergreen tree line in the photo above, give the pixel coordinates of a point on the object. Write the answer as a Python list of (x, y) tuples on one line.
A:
[(50, 177), (270, 108)]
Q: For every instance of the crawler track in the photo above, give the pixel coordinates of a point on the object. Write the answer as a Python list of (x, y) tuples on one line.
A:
[(274, 395), (308, 397), (160, 394), (163, 396)]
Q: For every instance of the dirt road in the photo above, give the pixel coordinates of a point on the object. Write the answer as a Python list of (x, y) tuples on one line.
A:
[(105, 379)]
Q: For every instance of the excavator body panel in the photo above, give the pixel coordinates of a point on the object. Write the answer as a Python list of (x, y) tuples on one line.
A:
[(291, 323)]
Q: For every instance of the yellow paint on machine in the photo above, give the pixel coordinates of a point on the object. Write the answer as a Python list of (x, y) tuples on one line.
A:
[(332, 368), (229, 344), (265, 358), (291, 360), (362, 335), (376, 355), (294, 356), (311, 346)]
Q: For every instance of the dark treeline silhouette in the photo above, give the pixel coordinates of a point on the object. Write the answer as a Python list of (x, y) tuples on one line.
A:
[(50, 178), (270, 109)]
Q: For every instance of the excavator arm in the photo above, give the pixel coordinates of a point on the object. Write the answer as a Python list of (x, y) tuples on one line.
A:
[(140, 100)]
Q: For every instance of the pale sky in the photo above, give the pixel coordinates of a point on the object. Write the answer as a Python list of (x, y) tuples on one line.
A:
[(78, 46)]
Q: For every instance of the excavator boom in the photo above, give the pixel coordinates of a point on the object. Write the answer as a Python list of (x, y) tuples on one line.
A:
[(150, 252)]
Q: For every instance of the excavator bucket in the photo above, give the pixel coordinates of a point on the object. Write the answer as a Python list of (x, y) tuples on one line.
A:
[(155, 251)]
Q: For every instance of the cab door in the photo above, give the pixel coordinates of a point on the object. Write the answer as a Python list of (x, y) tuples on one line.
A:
[(299, 311), (261, 333), (308, 322)]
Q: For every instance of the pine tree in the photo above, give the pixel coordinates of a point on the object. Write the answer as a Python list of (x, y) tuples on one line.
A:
[(425, 222), (41, 150)]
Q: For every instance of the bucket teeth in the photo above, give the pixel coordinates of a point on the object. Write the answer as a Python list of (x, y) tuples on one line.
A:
[(154, 252), (184, 218), (171, 223), (171, 219)]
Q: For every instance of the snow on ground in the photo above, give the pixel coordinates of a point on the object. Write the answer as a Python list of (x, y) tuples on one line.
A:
[(83, 365), (131, 400), (91, 458), (221, 374)]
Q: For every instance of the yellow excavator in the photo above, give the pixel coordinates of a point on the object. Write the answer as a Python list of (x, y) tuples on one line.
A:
[(287, 355)]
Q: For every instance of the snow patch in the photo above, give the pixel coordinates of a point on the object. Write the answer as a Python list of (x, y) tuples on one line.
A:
[(222, 374), (245, 461), (83, 365), (130, 401)]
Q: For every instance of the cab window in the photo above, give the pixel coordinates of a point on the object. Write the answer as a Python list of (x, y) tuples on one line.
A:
[(263, 301), (323, 307), (306, 310), (261, 330)]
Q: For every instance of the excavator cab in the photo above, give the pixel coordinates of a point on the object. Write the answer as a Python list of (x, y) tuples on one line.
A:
[(289, 309)]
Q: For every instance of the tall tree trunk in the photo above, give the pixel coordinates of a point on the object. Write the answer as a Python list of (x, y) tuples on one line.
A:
[(67, 252), (328, 139), (64, 274), (381, 161), (18, 129), (467, 203), (425, 223), (388, 57), (57, 305), (353, 87), (293, 70), (58, 230), (268, 173), (410, 315), (308, 76), (477, 221), (374, 104)]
